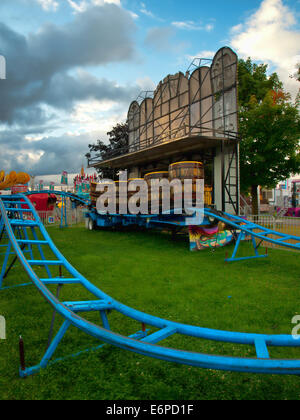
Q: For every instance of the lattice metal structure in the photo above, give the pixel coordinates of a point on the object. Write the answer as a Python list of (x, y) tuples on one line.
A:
[(199, 62), (198, 107), (203, 103)]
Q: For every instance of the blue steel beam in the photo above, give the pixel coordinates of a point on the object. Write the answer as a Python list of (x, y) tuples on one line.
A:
[(259, 364), (247, 227)]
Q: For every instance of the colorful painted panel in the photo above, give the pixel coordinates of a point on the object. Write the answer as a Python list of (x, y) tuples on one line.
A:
[(205, 238)]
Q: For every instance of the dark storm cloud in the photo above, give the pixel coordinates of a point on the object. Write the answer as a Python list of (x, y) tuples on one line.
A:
[(61, 153), (39, 65), (45, 76), (56, 153), (65, 89), (98, 36)]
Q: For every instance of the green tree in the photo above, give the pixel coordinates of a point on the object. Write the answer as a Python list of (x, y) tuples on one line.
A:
[(269, 129), (297, 77), (117, 144), (253, 81)]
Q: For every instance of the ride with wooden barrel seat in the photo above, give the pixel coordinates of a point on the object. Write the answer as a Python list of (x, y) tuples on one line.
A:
[(179, 171), (189, 170), (97, 189)]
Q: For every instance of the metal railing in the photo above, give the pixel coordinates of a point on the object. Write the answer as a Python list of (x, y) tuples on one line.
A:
[(245, 208), (52, 218), (288, 225)]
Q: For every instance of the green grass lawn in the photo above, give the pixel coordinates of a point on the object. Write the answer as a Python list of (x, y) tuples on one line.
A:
[(150, 272)]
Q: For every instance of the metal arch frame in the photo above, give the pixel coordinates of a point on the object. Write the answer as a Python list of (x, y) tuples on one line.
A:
[(199, 62), (183, 114), (184, 111), (140, 342)]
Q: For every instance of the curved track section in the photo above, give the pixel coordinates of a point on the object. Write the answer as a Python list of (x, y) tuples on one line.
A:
[(27, 235), (74, 197), (258, 231)]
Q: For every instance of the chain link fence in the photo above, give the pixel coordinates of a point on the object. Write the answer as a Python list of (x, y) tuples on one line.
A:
[(53, 218), (287, 225)]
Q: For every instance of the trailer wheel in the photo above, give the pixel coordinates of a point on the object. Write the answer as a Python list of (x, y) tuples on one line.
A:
[(212, 220), (91, 224)]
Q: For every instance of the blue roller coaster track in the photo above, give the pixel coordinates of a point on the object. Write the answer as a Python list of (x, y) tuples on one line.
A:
[(254, 231), (23, 235)]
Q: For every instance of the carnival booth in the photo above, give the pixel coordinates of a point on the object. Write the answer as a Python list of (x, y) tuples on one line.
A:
[(43, 202)]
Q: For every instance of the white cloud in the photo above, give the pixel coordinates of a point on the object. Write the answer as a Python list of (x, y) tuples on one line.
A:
[(270, 35), (117, 2), (82, 5), (202, 54), (146, 84), (209, 27), (28, 158), (49, 5), (146, 12), (237, 28), (100, 2), (193, 26), (190, 25), (92, 115), (78, 7), (35, 137), (134, 15)]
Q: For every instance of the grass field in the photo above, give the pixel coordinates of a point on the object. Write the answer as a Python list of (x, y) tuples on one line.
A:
[(152, 273)]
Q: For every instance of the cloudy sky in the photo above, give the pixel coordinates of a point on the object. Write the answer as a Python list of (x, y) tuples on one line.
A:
[(74, 66)]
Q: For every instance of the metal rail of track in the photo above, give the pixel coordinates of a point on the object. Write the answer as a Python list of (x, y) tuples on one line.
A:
[(253, 230), (249, 227), (19, 232), (74, 197)]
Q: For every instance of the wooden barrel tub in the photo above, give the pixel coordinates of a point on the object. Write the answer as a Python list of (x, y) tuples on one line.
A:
[(186, 170), (94, 194)]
